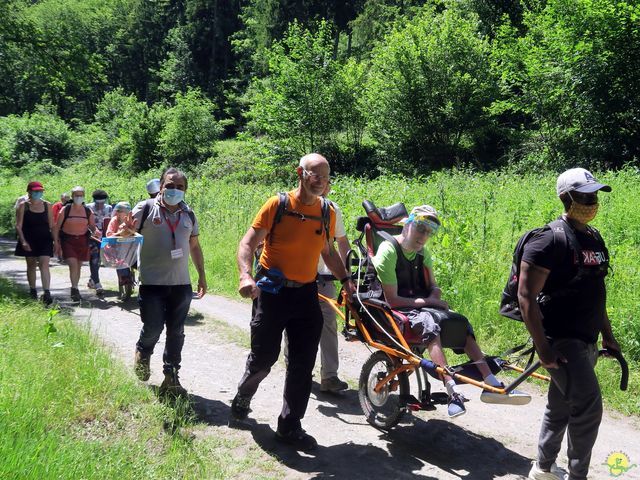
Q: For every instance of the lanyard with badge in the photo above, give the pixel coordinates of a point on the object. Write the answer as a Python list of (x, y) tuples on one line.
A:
[(176, 253)]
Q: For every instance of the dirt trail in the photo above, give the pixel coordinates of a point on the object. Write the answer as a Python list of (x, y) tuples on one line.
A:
[(489, 442)]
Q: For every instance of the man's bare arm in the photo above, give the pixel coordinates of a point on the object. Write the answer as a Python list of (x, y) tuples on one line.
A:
[(246, 250), (197, 257)]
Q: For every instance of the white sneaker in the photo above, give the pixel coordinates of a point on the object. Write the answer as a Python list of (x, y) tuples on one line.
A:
[(98, 286), (554, 473), (514, 397)]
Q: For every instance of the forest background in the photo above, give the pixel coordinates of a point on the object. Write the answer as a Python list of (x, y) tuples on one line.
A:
[(473, 106)]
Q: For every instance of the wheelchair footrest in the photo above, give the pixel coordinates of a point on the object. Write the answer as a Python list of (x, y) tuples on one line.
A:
[(440, 398), (413, 404)]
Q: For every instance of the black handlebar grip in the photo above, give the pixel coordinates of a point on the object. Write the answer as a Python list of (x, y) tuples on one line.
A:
[(624, 378)]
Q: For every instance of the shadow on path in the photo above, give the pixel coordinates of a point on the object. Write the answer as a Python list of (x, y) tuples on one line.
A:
[(416, 445)]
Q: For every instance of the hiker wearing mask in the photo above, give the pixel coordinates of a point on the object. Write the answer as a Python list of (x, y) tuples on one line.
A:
[(35, 241), (405, 270), (562, 297), (65, 197), (153, 187), (170, 231), (101, 211), (285, 293), (76, 223)]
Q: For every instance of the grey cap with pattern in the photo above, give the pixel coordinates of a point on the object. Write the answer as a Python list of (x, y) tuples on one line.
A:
[(579, 180)]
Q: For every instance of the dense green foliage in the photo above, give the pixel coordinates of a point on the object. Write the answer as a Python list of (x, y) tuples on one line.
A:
[(422, 113), (68, 409), (377, 85)]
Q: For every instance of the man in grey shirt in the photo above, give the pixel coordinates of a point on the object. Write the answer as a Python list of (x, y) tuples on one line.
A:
[(170, 231)]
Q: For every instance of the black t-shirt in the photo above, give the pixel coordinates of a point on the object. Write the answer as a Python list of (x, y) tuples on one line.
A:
[(577, 293)]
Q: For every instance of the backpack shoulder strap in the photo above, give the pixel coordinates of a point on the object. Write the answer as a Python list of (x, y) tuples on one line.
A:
[(564, 236), (596, 234), (560, 239), (145, 213), (283, 204), (65, 214), (87, 212), (326, 215)]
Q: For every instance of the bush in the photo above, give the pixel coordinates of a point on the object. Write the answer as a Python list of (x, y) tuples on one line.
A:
[(297, 104), (131, 129), (244, 160), (33, 138), (189, 131), (429, 87), (574, 81)]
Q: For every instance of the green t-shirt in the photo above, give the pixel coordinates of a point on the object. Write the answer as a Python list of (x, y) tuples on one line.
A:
[(386, 258)]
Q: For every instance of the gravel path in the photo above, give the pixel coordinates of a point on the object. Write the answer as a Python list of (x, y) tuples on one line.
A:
[(489, 442)]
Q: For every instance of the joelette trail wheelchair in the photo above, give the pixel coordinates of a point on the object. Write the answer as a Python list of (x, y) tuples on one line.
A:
[(384, 385)]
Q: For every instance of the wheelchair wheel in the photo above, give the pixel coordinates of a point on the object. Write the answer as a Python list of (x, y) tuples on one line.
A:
[(383, 409)]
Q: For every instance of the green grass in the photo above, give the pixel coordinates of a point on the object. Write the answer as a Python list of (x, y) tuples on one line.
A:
[(483, 216), (69, 410)]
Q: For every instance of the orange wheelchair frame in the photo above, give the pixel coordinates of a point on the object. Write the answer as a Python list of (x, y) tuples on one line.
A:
[(384, 384)]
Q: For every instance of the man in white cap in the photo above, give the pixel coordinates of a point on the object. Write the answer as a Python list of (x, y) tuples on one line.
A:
[(562, 297), (153, 187)]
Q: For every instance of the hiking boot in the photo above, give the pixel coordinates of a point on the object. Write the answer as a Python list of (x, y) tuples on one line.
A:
[(554, 473), (33, 293), (456, 407), (298, 439), (141, 366), (240, 408), (514, 397), (333, 385), (46, 297), (171, 387), (75, 295)]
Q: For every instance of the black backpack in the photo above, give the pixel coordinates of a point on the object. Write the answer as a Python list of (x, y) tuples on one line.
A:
[(284, 209), (66, 211), (563, 237)]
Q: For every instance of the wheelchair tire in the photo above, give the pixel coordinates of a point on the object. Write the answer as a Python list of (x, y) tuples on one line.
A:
[(384, 409)]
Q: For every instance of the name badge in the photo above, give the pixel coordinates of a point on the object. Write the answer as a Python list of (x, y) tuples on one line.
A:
[(176, 254)]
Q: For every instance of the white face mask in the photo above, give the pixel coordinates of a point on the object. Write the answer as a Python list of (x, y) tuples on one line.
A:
[(78, 200)]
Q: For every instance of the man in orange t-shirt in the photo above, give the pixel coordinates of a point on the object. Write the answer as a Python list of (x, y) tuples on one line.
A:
[(289, 303)]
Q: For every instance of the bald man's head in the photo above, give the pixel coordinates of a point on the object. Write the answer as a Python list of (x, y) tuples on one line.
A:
[(313, 173), (312, 160)]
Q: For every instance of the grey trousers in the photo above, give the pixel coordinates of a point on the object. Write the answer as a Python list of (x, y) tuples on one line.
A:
[(574, 405), (329, 339)]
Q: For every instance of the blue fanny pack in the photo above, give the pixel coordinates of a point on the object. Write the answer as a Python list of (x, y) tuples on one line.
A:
[(272, 281)]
